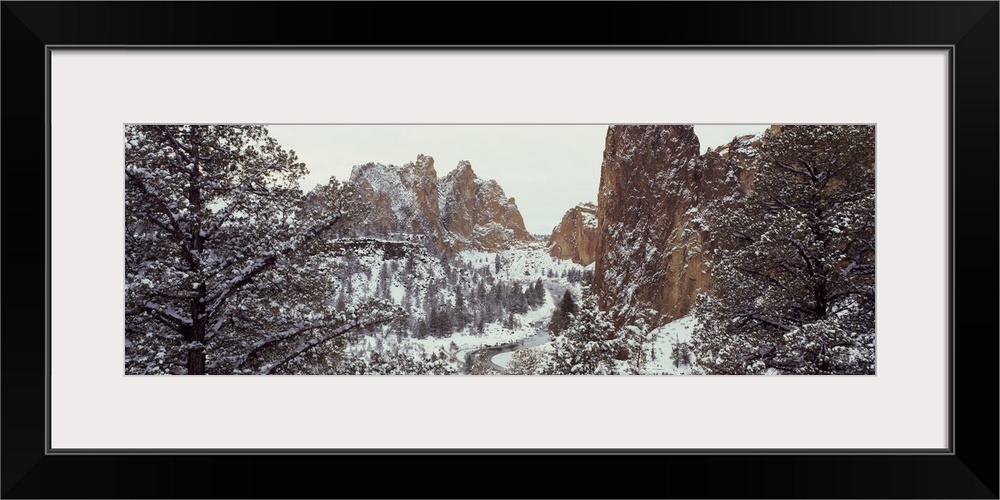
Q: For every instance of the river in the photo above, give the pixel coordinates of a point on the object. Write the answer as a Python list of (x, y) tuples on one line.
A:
[(540, 337), (490, 355)]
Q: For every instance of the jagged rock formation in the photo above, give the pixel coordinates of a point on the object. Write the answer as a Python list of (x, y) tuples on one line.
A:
[(402, 199), (575, 237), (477, 213), (656, 199), (456, 212), (739, 157)]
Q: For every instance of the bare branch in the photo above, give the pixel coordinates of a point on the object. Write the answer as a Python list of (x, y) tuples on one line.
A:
[(793, 169), (136, 177), (167, 316), (244, 189), (805, 255), (177, 145)]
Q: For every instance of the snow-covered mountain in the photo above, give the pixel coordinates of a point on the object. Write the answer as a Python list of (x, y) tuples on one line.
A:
[(456, 212)]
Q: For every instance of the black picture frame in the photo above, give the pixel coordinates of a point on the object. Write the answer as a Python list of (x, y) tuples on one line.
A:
[(968, 470)]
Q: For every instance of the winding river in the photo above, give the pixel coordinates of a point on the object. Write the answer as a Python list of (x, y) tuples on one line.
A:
[(540, 337)]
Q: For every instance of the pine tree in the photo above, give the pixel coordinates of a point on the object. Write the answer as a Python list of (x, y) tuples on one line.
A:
[(681, 354), (535, 294), (500, 297), (460, 316), (526, 362), (588, 346), (226, 267), (407, 302), (349, 285), (794, 276), (434, 321), (446, 324), (563, 313), (488, 312), (384, 282), (517, 303), (417, 303)]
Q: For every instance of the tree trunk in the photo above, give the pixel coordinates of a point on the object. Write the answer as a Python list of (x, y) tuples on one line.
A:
[(196, 354), (196, 361)]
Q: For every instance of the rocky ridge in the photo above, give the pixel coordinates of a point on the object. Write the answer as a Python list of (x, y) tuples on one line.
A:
[(575, 238), (456, 212)]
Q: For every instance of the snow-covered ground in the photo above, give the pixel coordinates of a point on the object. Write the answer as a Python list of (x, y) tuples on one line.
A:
[(659, 359), (524, 265), (665, 338), (503, 358), (528, 324), (527, 261)]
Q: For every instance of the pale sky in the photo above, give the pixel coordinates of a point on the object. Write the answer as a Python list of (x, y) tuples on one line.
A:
[(547, 168)]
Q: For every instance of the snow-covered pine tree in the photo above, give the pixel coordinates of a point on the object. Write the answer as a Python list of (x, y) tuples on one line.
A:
[(225, 269), (588, 346), (460, 316), (516, 300), (421, 329), (526, 362), (511, 322), (384, 282), (563, 313), (536, 296), (794, 272)]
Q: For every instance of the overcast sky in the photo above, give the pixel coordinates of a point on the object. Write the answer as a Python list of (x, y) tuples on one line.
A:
[(546, 168)]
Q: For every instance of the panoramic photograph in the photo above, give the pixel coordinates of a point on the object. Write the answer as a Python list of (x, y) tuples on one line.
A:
[(650, 249)]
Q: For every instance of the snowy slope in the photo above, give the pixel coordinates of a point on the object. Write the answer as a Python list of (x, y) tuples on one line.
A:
[(665, 339)]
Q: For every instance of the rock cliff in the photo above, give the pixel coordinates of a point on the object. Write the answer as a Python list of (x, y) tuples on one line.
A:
[(657, 196), (459, 211), (575, 237), (477, 213), (403, 200)]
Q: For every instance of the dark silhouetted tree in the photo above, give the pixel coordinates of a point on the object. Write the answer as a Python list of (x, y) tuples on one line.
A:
[(794, 273), (563, 313), (225, 268)]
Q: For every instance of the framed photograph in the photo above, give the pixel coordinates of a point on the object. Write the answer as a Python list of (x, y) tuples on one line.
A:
[(462, 158), (682, 250)]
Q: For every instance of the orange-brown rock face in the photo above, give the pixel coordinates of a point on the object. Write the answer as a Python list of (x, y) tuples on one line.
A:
[(477, 213), (456, 212), (403, 200), (656, 194), (575, 237), (739, 156)]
